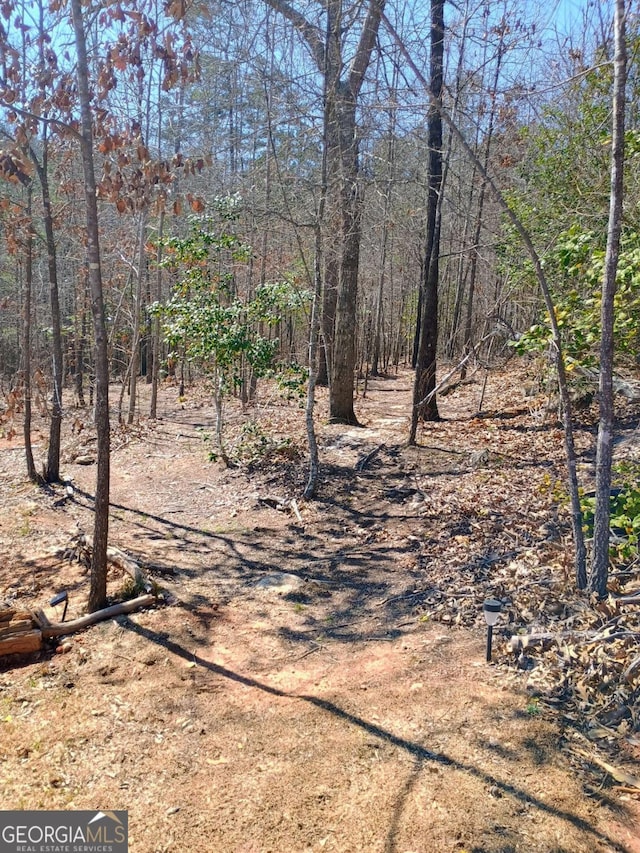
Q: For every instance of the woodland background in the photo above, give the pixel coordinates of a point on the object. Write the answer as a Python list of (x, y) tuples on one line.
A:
[(264, 189)]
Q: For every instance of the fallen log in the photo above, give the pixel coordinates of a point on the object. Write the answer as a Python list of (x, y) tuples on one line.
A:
[(40, 618), (18, 634), (62, 629), (15, 626), (123, 561), (21, 644), (10, 614)]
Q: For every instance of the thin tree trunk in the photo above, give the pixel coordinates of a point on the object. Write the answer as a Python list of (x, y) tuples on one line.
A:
[(98, 586), (52, 469), (600, 560), (468, 331), (314, 334), (424, 400), (329, 301), (317, 354), (155, 367), (460, 244), (52, 473), (80, 337), (391, 148), (26, 341), (137, 317)]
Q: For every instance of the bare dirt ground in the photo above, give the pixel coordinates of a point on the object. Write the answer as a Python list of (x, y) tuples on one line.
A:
[(316, 685)]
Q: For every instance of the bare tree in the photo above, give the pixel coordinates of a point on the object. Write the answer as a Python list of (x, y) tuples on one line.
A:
[(424, 399), (52, 468), (475, 241), (344, 82), (98, 588), (26, 337), (599, 569)]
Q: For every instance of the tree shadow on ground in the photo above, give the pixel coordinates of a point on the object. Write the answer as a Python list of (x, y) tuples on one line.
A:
[(351, 586), (347, 571), (422, 755)]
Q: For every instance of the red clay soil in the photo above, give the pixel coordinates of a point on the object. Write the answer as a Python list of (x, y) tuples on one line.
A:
[(309, 685)]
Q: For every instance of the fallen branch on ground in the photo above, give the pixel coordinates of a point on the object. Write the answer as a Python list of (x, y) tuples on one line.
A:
[(525, 641), (61, 629), (626, 599), (448, 389), (361, 464), (296, 510), (617, 773)]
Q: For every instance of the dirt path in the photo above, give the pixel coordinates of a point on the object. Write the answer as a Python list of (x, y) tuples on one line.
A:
[(313, 686)]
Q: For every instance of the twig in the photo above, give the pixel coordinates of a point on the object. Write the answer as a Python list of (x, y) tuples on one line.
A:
[(296, 511), (630, 671), (401, 596), (444, 450), (618, 635), (627, 599), (618, 773), (362, 463), (524, 641)]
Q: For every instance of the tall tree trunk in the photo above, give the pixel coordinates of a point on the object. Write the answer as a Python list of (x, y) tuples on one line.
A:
[(52, 471), (341, 386), (52, 468), (98, 587), (425, 406), (137, 319), (468, 331), (391, 148), (155, 367), (459, 244), (26, 341), (80, 338), (328, 317), (600, 560), (314, 335), (344, 200)]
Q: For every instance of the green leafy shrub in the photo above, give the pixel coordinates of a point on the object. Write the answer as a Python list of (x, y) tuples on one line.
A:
[(624, 517), (208, 320)]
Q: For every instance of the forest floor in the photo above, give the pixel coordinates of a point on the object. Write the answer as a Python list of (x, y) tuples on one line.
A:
[(317, 682)]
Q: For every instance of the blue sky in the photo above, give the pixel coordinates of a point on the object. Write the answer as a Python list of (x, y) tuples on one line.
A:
[(567, 14)]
